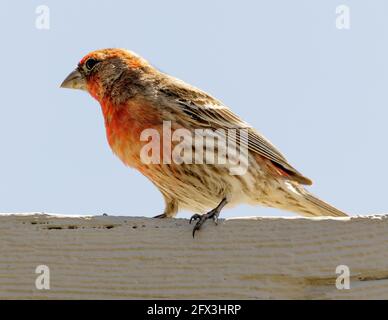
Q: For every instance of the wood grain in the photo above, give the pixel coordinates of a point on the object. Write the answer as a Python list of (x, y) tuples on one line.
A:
[(142, 258)]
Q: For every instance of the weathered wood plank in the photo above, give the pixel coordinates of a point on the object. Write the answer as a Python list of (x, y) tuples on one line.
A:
[(140, 258)]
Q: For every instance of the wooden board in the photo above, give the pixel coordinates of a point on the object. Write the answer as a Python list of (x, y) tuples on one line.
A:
[(142, 258)]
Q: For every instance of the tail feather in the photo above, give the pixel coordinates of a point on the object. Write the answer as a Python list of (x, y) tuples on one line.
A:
[(309, 205), (322, 208)]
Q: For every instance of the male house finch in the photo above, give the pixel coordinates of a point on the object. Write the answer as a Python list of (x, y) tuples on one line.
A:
[(134, 97)]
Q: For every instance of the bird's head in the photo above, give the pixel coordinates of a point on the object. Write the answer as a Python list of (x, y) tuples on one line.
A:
[(99, 69)]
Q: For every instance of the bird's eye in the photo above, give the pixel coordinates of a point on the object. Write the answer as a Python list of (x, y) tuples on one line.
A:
[(90, 63)]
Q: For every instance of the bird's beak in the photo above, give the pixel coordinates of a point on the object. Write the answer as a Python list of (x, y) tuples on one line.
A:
[(75, 80)]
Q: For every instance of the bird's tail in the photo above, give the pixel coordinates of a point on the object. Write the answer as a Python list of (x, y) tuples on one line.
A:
[(303, 202), (321, 208)]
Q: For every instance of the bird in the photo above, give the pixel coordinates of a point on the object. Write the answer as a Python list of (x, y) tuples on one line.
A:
[(136, 97)]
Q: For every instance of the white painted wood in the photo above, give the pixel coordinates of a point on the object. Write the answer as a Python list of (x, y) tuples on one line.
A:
[(141, 258)]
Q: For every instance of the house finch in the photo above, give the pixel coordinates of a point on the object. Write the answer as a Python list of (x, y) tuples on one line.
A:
[(136, 97)]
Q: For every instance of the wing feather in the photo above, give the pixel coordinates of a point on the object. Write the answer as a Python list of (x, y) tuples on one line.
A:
[(205, 111)]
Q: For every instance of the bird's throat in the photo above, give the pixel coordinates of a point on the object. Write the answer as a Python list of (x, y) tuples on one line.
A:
[(124, 124)]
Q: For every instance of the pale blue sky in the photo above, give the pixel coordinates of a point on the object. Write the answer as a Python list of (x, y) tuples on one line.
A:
[(318, 93)]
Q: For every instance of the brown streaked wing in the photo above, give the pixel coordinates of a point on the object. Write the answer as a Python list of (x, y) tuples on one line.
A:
[(209, 112)]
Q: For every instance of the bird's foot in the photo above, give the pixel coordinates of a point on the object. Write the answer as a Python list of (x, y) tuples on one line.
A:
[(213, 214), (160, 216)]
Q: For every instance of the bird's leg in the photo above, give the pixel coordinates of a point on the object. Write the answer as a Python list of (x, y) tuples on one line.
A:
[(171, 209), (160, 216), (213, 214)]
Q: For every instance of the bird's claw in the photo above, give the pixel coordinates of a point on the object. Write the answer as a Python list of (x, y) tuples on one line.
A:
[(160, 216), (196, 227), (202, 218), (194, 217)]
